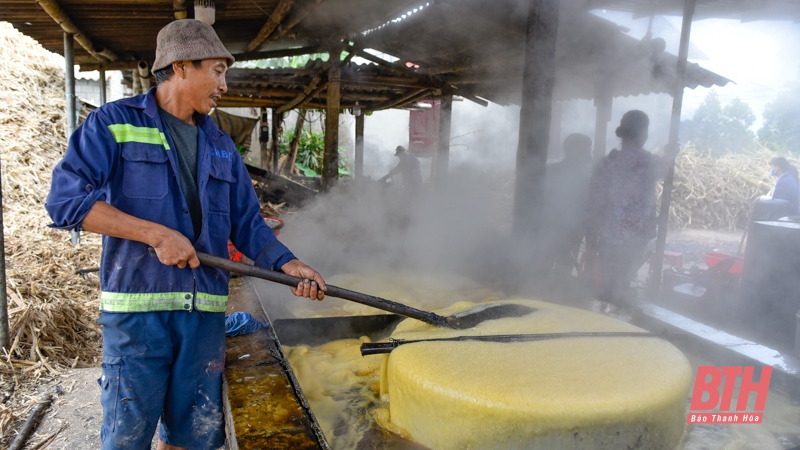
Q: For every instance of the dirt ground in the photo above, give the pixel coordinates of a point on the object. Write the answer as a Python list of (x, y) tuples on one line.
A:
[(73, 420), (693, 243)]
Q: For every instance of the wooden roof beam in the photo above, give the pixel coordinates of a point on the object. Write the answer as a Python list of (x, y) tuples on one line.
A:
[(54, 10), (409, 97), (311, 89), (274, 20), (292, 20), (303, 96), (122, 65)]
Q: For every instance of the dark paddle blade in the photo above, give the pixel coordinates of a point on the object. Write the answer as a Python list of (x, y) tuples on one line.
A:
[(481, 313), (376, 348)]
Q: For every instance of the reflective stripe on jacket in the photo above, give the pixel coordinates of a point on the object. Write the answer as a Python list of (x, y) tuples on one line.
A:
[(123, 154)]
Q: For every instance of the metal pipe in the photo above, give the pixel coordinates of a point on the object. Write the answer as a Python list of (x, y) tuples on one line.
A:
[(657, 264), (69, 73), (797, 336), (102, 86)]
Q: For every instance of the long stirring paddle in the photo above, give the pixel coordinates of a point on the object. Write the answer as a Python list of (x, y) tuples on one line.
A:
[(458, 321)]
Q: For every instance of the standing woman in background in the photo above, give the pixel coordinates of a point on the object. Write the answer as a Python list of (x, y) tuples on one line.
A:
[(622, 207), (786, 187)]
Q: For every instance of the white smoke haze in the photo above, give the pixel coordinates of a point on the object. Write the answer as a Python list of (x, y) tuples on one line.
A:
[(465, 229)]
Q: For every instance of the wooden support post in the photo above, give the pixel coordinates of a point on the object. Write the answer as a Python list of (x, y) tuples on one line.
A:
[(275, 150), (602, 103), (330, 161), (538, 77), (554, 148), (443, 148), (69, 73), (103, 87), (657, 264), (358, 169)]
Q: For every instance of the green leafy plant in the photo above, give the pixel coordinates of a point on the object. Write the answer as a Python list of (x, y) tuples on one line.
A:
[(242, 149), (310, 153)]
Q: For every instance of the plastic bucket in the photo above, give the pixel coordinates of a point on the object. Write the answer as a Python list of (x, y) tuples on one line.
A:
[(272, 222), (713, 258)]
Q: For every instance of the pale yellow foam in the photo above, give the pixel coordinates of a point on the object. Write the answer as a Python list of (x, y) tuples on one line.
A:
[(588, 393), (419, 291)]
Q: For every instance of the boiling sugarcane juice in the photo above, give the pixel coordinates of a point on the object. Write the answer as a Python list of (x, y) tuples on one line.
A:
[(592, 393)]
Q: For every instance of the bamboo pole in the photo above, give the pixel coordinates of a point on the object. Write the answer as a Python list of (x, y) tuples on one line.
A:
[(274, 20), (358, 170), (657, 262), (54, 10), (143, 72), (330, 160), (443, 149), (123, 65), (179, 9), (534, 119)]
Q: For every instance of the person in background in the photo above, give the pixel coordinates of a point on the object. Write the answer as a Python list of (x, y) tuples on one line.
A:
[(622, 207), (786, 186), (409, 168), (566, 202)]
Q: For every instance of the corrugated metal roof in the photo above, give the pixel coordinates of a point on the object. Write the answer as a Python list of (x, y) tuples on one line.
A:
[(744, 10), (129, 27), (482, 50), (474, 47)]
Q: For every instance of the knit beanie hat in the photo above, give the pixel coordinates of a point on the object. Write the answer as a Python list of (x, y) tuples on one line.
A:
[(188, 40)]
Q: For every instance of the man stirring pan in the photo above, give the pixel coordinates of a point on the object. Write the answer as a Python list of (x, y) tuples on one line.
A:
[(160, 181), (409, 168)]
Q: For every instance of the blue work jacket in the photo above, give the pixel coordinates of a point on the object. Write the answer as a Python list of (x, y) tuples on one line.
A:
[(123, 154)]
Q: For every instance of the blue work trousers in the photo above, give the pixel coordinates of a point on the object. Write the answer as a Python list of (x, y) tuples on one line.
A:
[(167, 365)]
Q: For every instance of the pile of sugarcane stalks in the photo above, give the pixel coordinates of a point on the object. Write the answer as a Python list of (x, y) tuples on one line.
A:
[(52, 311), (718, 193)]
